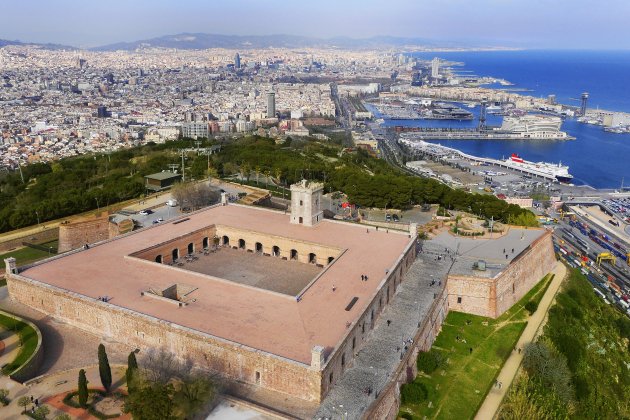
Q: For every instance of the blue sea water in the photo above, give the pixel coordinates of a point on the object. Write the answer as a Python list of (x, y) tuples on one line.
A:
[(595, 158)]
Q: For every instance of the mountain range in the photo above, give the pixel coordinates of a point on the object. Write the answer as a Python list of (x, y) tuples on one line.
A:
[(200, 41)]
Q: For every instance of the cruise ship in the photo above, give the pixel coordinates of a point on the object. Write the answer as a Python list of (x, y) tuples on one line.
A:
[(547, 170)]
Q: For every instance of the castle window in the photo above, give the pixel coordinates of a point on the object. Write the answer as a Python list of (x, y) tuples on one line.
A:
[(459, 299), (257, 378), (301, 203)]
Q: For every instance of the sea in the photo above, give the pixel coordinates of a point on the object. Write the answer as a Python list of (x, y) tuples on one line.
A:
[(595, 158)]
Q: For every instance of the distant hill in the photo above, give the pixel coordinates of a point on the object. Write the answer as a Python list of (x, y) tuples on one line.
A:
[(48, 46), (200, 41)]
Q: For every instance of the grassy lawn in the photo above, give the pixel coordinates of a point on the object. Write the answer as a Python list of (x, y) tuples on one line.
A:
[(28, 255), (457, 388), (29, 341)]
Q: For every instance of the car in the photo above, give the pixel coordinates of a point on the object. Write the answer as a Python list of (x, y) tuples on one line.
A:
[(388, 217), (145, 212), (159, 219), (395, 218)]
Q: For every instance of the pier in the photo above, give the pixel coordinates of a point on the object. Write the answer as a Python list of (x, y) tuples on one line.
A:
[(424, 133)]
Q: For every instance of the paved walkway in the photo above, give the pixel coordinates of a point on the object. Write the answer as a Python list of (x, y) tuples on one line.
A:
[(493, 400), (49, 389), (384, 346)]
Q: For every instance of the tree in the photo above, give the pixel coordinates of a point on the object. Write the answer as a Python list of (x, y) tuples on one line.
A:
[(103, 368), (132, 367), (83, 389), (23, 402), (150, 401), (192, 394), (4, 396), (41, 412), (63, 416)]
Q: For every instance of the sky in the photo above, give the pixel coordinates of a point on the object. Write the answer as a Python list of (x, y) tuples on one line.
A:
[(571, 24)]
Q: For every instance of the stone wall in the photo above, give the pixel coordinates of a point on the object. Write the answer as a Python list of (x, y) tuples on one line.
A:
[(387, 404), (75, 235), (233, 361), (342, 358), (524, 273), (491, 297), (45, 235)]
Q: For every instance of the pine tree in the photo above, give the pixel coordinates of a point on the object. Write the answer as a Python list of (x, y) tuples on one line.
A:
[(83, 389), (103, 368)]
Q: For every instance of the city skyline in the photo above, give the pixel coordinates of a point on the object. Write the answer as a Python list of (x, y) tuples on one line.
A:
[(524, 24)]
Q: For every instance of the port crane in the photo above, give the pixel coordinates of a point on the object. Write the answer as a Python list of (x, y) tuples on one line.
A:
[(606, 256)]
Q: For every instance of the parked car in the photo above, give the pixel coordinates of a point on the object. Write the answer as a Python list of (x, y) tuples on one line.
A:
[(388, 217), (145, 212), (395, 218)]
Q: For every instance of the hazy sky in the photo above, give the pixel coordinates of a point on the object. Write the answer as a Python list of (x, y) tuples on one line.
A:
[(527, 23)]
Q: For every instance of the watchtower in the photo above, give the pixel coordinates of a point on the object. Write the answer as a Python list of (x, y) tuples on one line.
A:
[(306, 203)]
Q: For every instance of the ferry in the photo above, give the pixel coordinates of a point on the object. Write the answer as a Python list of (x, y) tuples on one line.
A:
[(548, 170)]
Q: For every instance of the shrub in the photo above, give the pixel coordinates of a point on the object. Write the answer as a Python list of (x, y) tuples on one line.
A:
[(406, 416), (429, 361), (413, 393), (531, 306)]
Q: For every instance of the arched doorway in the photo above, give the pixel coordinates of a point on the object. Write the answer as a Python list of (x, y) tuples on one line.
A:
[(175, 254), (191, 248), (205, 243), (312, 258), (294, 254), (226, 241), (301, 220), (241, 243), (275, 251), (259, 248), (158, 259)]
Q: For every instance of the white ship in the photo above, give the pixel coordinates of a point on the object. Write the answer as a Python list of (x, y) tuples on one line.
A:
[(548, 170)]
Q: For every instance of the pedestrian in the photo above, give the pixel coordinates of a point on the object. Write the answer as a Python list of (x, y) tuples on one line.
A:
[(32, 398), (519, 350), (334, 288), (470, 350), (362, 277), (389, 322)]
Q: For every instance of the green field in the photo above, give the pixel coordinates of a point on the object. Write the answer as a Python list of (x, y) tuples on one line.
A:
[(458, 387), (28, 255), (28, 341)]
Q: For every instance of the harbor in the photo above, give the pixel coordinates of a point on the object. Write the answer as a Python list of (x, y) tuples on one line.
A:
[(556, 173), (426, 133)]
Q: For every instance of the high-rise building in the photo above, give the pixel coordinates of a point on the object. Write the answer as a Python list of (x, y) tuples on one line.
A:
[(271, 105), (237, 61), (435, 68)]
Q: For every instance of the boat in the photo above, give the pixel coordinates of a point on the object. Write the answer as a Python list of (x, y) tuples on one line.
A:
[(558, 171)]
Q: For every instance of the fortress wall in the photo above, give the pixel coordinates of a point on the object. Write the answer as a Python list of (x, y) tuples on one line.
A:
[(75, 235), (524, 273), (387, 403), (492, 297), (235, 362), (342, 358)]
